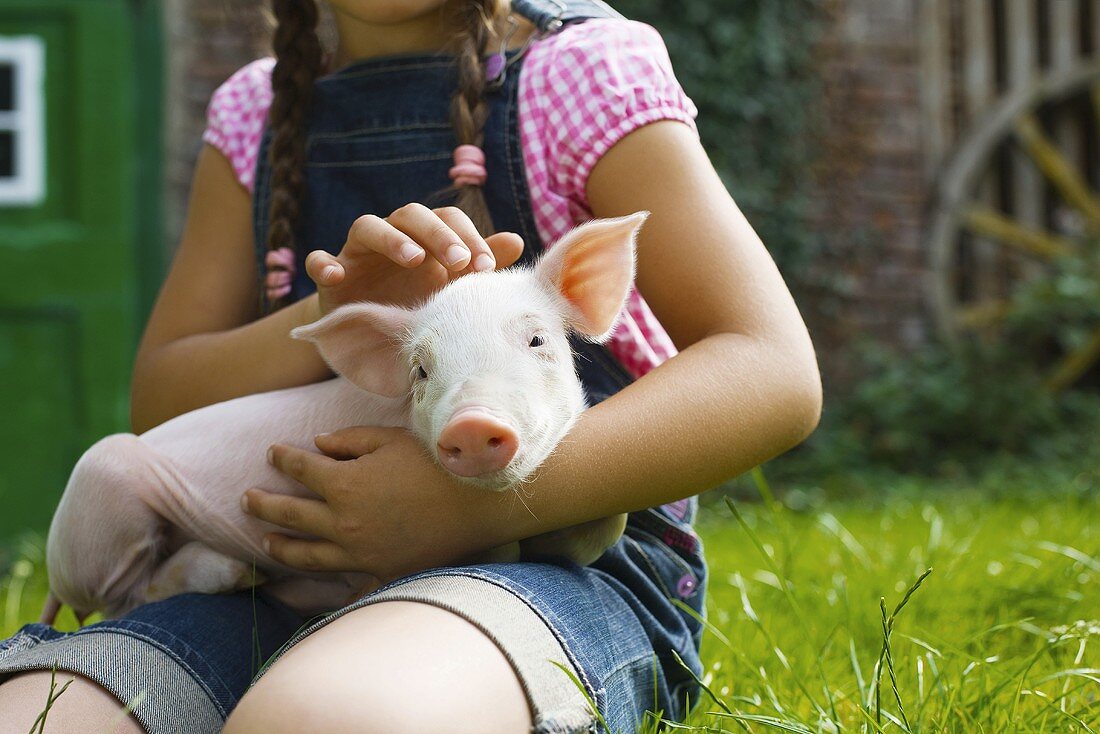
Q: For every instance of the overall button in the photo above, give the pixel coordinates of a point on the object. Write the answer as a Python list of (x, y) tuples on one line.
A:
[(685, 587)]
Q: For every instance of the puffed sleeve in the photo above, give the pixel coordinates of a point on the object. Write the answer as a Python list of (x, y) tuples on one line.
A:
[(600, 81), (236, 114)]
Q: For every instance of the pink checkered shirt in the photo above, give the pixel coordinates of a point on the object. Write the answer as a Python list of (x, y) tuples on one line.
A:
[(581, 91)]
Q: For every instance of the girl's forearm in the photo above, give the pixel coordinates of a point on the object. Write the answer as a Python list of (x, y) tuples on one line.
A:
[(721, 407), (202, 369)]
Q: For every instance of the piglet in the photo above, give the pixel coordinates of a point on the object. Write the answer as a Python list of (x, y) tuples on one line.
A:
[(482, 373)]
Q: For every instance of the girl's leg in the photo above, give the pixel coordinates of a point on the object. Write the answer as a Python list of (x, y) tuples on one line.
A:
[(391, 666), (84, 707), (182, 664)]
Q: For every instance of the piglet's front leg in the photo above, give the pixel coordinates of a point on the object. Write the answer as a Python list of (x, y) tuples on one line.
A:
[(196, 567), (581, 544)]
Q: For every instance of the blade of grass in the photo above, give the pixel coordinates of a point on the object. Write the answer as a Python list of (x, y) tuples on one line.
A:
[(746, 605), (584, 692), (884, 652), (768, 721), (39, 725), (794, 605), (887, 624), (699, 682)]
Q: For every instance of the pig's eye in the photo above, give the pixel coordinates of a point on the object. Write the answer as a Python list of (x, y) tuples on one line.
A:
[(421, 374), (537, 341)]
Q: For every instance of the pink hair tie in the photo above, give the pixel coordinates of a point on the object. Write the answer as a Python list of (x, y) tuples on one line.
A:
[(280, 272), (469, 167)]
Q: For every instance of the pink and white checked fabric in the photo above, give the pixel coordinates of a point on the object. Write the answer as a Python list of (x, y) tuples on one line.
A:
[(235, 117), (581, 91)]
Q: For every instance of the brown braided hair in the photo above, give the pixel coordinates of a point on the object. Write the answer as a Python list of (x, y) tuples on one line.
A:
[(300, 60), (476, 24)]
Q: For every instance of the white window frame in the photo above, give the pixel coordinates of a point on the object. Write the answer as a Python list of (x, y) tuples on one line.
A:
[(27, 55)]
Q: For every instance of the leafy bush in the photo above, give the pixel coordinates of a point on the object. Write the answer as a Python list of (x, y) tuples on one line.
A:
[(1060, 311), (938, 410), (941, 407)]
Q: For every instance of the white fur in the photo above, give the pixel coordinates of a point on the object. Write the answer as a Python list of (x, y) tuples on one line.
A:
[(473, 339)]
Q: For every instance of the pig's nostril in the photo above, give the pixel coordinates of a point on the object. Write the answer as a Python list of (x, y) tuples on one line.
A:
[(494, 442)]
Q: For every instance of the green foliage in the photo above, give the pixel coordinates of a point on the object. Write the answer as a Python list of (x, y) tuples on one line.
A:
[(940, 409), (1059, 311), (747, 65), (943, 406)]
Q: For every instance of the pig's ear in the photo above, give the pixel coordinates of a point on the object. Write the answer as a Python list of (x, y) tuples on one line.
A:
[(362, 342), (592, 268)]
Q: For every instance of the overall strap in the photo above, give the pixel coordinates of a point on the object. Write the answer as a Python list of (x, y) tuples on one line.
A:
[(550, 15)]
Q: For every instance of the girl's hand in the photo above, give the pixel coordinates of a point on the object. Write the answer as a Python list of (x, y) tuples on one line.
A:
[(406, 257), (385, 507)]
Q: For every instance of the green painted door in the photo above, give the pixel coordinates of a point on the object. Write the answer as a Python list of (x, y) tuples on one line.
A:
[(75, 196)]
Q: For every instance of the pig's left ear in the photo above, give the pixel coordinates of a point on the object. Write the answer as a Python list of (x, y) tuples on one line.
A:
[(362, 342), (592, 268)]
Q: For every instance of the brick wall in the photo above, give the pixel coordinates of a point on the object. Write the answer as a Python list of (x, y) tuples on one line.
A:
[(207, 41), (872, 193)]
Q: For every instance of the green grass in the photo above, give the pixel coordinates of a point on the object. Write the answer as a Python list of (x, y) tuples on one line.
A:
[(1003, 636)]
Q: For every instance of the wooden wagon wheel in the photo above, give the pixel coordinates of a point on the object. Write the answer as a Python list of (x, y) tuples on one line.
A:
[(960, 215)]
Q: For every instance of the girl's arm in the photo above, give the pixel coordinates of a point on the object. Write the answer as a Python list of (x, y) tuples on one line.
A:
[(202, 344), (745, 386), (744, 389)]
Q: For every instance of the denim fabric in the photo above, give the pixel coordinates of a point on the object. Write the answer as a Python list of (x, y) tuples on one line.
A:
[(380, 137), (617, 620), (183, 663)]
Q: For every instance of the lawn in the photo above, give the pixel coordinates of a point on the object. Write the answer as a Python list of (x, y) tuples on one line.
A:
[(1002, 636)]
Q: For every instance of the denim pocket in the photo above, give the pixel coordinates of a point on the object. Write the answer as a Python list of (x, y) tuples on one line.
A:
[(677, 578), (381, 146), (372, 171)]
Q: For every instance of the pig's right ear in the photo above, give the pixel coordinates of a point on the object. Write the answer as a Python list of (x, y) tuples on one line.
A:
[(362, 342)]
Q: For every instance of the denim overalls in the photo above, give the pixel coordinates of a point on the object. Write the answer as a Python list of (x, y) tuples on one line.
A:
[(380, 137)]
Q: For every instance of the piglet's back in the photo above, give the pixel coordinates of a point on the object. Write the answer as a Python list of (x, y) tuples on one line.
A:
[(219, 451)]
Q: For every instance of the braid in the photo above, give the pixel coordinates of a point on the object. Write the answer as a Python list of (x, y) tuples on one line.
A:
[(477, 20), (299, 61)]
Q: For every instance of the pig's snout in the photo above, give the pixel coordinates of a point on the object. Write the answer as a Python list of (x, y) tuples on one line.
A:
[(475, 443)]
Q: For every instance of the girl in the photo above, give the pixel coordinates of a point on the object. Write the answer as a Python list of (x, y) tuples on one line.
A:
[(529, 118)]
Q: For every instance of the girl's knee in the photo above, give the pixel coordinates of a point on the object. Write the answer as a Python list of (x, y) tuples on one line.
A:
[(394, 666), (84, 706)]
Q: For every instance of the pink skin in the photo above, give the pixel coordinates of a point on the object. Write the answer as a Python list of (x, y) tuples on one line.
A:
[(145, 517), (378, 27), (475, 443), (384, 12)]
